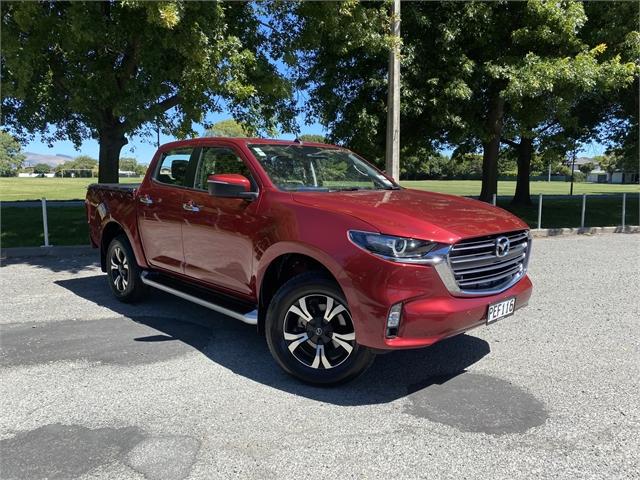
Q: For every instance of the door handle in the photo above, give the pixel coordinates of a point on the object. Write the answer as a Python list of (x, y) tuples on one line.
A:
[(190, 206), (146, 200)]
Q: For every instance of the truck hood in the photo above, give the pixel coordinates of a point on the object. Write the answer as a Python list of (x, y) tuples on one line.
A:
[(417, 213)]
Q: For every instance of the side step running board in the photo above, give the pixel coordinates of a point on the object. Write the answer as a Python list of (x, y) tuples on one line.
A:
[(251, 318)]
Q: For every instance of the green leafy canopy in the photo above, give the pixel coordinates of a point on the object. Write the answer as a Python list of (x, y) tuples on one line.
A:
[(108, 70)]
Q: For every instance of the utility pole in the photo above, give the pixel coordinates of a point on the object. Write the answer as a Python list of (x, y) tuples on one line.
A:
[(573, 167), (393, 100)]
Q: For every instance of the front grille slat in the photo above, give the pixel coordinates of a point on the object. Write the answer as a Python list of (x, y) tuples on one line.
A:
[(494, 266), (471, 247), (484, 257), (517, 238), (477, 268), (490, 278)]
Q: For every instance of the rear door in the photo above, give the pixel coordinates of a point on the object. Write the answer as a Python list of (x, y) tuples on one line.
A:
[(161, 211), (218, 234)]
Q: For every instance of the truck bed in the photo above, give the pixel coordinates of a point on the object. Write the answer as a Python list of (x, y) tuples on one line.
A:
[(118, 187), (111, 202)]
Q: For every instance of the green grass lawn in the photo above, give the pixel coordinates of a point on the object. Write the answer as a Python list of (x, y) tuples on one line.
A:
[(15, 188), (22, 227), (75, 188)]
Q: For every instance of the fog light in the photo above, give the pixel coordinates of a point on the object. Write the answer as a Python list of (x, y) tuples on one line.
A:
[(393, 320)]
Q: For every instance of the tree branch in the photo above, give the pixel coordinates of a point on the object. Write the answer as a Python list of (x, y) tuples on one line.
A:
[(548, 126), (511, 143), (129, 62), (167, 103), (266, 25)]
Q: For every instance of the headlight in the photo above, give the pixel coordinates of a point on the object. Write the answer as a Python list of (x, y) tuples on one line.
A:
[(393, 248)]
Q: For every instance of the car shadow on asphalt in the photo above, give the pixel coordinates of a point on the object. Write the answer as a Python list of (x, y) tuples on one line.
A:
[(69, 264), (240, 349)]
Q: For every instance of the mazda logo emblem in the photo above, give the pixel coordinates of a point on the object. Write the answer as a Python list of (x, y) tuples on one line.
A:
[(502, 246)]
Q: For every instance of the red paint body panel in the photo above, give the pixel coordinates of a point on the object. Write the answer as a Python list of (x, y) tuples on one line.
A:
[(229, 243), (218, 241), (419, 214), (160, 225)]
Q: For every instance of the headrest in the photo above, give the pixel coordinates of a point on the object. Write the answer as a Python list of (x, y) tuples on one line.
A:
[(179, 168)]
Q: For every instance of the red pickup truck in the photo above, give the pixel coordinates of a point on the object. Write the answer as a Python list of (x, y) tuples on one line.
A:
[(326, 255)]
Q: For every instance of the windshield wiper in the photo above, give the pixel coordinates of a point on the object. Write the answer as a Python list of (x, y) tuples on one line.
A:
[(346, 189)]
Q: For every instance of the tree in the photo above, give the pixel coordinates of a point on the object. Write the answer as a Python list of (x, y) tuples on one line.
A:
[(228, 128), (81, 166), (41, 168), (608, 163), (129, 164), (310, 137), (616, 114), (11, 158), (525, 68), (545, 89), (338, 54), (475, 75), (108, 70), (587, 168)]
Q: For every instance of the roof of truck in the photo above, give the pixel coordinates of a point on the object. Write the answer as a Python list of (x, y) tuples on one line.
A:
[(243, 141)]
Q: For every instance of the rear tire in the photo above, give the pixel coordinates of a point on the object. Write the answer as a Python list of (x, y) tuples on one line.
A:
[(123, 273), (310, 332)]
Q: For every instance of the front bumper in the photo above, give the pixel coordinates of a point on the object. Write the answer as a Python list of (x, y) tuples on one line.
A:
[(428, 320), (430, 312)]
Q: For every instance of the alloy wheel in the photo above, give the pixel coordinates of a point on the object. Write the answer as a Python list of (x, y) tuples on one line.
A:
[(119, 269), (319, 332)]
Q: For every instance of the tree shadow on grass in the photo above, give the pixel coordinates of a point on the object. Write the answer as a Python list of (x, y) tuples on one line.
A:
[(239, 348)]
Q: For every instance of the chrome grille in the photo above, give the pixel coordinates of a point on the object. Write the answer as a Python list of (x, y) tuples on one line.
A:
[(477, 267)]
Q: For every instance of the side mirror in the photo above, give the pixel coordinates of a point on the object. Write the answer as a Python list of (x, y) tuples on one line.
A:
[(230, 185)]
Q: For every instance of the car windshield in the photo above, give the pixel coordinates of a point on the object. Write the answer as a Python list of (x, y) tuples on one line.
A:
[(317, 168)]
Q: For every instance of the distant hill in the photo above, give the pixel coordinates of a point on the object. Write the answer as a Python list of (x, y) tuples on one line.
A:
[(51, 160)]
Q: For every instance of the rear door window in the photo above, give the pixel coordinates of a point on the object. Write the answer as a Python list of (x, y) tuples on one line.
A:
[(174, 167)]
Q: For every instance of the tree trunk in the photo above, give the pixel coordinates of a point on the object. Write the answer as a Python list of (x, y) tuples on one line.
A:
[(111, 143), (491, 149), (523, 193)]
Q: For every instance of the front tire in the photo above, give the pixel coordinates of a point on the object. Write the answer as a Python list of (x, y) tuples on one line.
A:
[(123, 272), (310, 332)]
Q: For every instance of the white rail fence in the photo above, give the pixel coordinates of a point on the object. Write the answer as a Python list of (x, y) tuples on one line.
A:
[(583, 212)]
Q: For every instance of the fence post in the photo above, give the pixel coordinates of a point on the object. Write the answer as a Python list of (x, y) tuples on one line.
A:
[(539, 211), (494, 199), (45, 222), (584, 206), (624, 208)]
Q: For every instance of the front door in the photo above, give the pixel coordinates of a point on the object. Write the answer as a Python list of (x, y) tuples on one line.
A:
[(217, 233), (161, 210)]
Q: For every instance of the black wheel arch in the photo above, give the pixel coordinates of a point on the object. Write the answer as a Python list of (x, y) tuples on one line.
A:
[(110, 231), (279, 271)]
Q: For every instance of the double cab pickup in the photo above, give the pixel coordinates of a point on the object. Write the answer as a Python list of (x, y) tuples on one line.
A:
[(327, 256)]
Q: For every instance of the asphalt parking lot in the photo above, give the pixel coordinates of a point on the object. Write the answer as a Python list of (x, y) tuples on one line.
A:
[(91, 388)]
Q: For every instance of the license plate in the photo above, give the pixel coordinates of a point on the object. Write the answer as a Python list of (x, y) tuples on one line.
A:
[(500, 310)]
